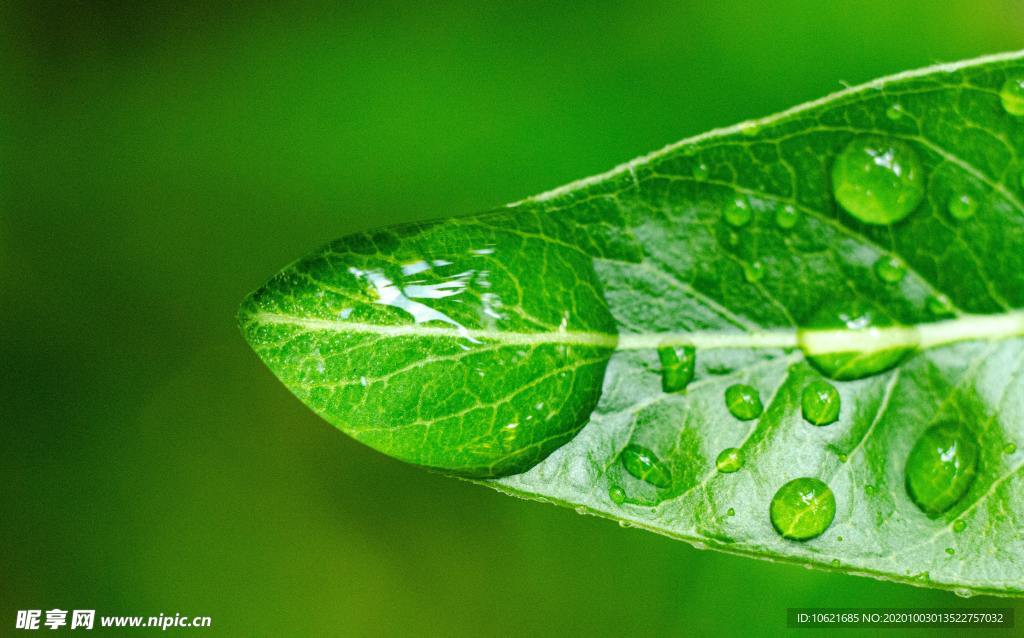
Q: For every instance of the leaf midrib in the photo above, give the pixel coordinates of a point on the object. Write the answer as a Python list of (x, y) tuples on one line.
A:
[(922, 336)]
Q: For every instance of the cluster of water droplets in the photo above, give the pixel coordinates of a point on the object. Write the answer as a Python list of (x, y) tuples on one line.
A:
[(877, 181)]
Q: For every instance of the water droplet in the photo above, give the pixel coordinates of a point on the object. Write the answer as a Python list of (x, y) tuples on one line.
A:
[(959, 525), (743, 401), (890, 269), (869, 490), (940, 305), (581, 510), (625, 524), (842, 458), (617, 494), (962, 207), (878, 181), (835, 562), (894, 112), (1012, 96), (839, 538), (677, 367), (738, 213), (787, 216), (820, 402), (644, 465), (941, 468), (700, 171), (729, 460), (753, 272), (820, 337), (1010, 448), (963, 592), (731, 512), (749, 129), (803, 509)]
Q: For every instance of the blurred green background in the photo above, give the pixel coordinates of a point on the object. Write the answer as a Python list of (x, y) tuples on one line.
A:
[(160, 163)]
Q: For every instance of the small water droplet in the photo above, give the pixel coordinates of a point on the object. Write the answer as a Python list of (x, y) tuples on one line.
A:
[(820, 402), (894, 112), (617, 494), (803, 509), (842, 458), (835, 562), (743, 402), (581, 510), (729, 460), (869, 490), (786, 216), (749, 129), (1010, 448), (962, 207), (941, 468), (625, 524), (731, 512), (1012, 96), (963, 592), (844, 313), (878, 181), (753, 272), (839, 538), (677, 367), (701, 171), (737, 213), (940, 305), (644, 464), (959, 525), (890, 269)]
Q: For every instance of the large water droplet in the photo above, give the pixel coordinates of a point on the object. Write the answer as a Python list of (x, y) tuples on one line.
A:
[(1012, 96), (941, 468), (737, 213), (729, 460), (645, 465), (743, 401), (786, 216), (885, 349), (890, 269), (803, 509), (677, 367), (878, 181), (962, 206), (820, 402)]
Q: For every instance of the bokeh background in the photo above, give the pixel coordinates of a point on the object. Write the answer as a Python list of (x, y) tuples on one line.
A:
[(157, 164)]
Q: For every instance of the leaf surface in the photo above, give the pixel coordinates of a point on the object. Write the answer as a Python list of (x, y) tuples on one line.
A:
[(544, 349)]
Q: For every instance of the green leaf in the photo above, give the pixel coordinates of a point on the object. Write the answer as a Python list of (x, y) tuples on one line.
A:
[(824, 299)]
